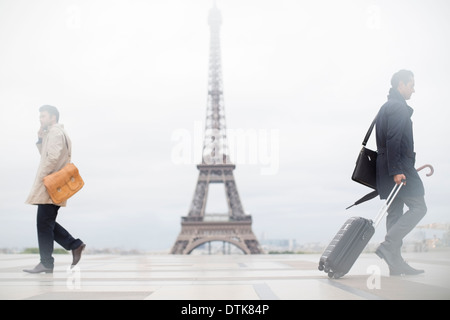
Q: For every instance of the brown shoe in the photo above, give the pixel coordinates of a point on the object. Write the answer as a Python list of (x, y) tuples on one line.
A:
[(76, 254)]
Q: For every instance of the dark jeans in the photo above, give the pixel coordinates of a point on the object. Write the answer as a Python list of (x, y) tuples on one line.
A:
[(399, 224), (48, 231)]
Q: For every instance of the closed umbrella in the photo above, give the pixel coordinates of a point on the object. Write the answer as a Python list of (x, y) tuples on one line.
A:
[(373, 194)]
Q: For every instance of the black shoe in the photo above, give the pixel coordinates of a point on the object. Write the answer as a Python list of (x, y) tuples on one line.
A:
[(397, 266), (394, 262), (39, 269), (76, 254), (396, 271), (410, 271)]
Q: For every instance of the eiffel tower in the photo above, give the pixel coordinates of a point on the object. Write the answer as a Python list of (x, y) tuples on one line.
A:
[(234, 226)]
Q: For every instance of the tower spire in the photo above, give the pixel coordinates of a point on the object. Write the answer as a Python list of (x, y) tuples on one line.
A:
[(215, 146)]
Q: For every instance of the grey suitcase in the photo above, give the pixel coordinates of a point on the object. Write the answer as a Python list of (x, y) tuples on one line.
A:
[(351, 239)]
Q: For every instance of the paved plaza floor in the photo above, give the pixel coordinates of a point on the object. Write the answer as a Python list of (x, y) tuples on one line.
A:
[(221, 277)]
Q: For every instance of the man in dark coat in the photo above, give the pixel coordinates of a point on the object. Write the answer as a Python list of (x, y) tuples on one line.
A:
[(395, 165)]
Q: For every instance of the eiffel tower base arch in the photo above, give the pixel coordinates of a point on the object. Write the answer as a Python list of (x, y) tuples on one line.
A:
[(194, 234)]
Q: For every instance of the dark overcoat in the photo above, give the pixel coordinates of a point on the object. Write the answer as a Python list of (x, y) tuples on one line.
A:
[(395, 146)]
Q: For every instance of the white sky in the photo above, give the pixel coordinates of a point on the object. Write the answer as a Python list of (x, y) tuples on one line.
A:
[(305, 78)]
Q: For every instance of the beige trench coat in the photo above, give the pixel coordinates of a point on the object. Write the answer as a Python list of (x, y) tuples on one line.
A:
[(55, 151)]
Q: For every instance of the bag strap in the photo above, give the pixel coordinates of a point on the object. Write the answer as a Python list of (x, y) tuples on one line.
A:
[(366, 138), (67, 144)]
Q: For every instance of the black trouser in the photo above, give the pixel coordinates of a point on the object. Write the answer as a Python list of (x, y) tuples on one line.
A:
[(399, 224), (48, 231)]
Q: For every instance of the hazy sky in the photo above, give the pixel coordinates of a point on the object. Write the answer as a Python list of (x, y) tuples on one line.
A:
[(302, 83)]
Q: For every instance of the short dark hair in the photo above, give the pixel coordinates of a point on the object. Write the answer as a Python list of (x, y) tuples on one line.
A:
[(51, 110), (403, 76)]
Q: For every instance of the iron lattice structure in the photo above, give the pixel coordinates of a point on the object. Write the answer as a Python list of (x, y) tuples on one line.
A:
[(234, 226)]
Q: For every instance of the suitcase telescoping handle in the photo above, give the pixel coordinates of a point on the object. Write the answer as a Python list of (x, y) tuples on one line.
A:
[(387, 204), (393, 194)]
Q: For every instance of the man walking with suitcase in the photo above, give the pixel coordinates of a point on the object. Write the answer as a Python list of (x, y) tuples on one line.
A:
[(395, 165)]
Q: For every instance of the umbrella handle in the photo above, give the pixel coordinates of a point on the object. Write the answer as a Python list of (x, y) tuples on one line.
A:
[(427, 166)]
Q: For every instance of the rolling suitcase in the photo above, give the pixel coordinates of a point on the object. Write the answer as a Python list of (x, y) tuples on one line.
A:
[(350, 241)]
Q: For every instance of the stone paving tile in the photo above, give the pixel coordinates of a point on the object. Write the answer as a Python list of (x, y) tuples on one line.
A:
[(221, 277)]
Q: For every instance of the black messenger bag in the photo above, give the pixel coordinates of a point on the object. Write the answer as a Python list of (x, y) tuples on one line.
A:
[(365, 169)]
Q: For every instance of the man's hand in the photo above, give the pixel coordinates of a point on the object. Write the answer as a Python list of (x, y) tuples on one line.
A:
[(40, 132), (399, 178)]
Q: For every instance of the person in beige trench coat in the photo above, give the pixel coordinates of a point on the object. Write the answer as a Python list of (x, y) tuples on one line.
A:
[(55, 148)]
